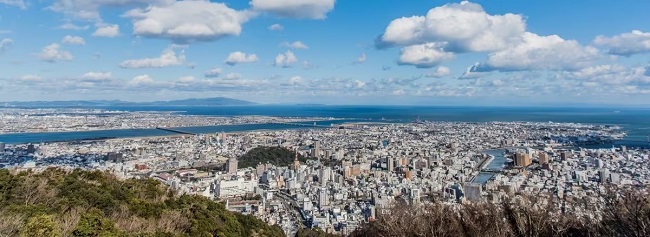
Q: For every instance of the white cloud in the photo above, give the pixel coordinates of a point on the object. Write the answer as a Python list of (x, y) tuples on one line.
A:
[(70, 26), (285, 59), (186, 79), (167, 59), (107, 31), (440, 71), (464, 26), (609, 74), (424, 55), (5, 44), (240, 57), (31, 77), (89, 9), (541, 53), (73, 40), (311, 9), (188, 21), (294, 45), (16, 3), (626, 44), (398, 92), (212, 73), (53, 53), (141, 80), (97, 76), (296, 80), (232, 76), (361, 58), (276, 27)]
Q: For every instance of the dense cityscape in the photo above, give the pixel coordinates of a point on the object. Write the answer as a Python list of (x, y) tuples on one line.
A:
[(348, 174)]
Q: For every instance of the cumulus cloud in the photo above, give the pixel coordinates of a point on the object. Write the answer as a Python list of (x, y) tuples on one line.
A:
[(109, 31), (168, 58), (188, 21), (70, 26), (5, 44), (276, 27), (310, 9), (541, 53), (97, 76), (440, 71), (73, 40), (53, 53), (212, 73), (16, 3), (285, 59), (626, 44), (294, 45), (424, 55), (238, 57), (465, 26)]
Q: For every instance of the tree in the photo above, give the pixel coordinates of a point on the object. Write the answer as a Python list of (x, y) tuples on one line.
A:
[(93, 224), (40, 225)]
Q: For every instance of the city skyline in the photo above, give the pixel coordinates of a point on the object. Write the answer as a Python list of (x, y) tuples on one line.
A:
[(326, 51)]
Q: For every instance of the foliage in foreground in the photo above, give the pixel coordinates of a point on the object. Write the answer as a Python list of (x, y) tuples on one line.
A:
[(93, 203), (624, 214)]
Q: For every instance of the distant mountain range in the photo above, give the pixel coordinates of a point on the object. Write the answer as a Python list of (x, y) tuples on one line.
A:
[(216, 101)]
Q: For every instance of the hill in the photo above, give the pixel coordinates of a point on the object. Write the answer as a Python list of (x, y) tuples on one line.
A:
[(278, 156), (93, 203), (216, 101)]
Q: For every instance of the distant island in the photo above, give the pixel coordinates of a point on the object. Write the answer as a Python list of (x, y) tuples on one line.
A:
[(207, 102)]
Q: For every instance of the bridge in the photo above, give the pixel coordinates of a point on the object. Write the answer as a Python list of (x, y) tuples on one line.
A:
[(494, 171), (301, 124), (175, 131)]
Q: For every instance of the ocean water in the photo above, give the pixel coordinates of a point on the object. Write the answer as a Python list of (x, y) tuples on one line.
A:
[(635, 121)]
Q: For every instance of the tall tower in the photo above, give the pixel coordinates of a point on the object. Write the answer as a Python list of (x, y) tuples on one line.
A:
[(296, 162), (232, 165), (390, 164)]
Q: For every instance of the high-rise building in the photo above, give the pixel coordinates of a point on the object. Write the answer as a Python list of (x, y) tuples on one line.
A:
[(232, 165), (473, 191), (390, 164), (296, 162), (565, 155), (317, 148), (115, 157), (603, 175), (2, 147), (323, 198), (324, 175), (415, 196), (543, 158), (31, 149), (522, 159)]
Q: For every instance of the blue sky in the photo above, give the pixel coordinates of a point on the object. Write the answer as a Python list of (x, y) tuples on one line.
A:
[(327, 51)]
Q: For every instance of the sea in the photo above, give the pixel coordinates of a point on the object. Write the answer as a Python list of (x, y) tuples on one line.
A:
[(636, 121)]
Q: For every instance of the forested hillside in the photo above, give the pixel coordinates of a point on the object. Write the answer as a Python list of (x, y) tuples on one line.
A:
[(85, 203), (279, 156)]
